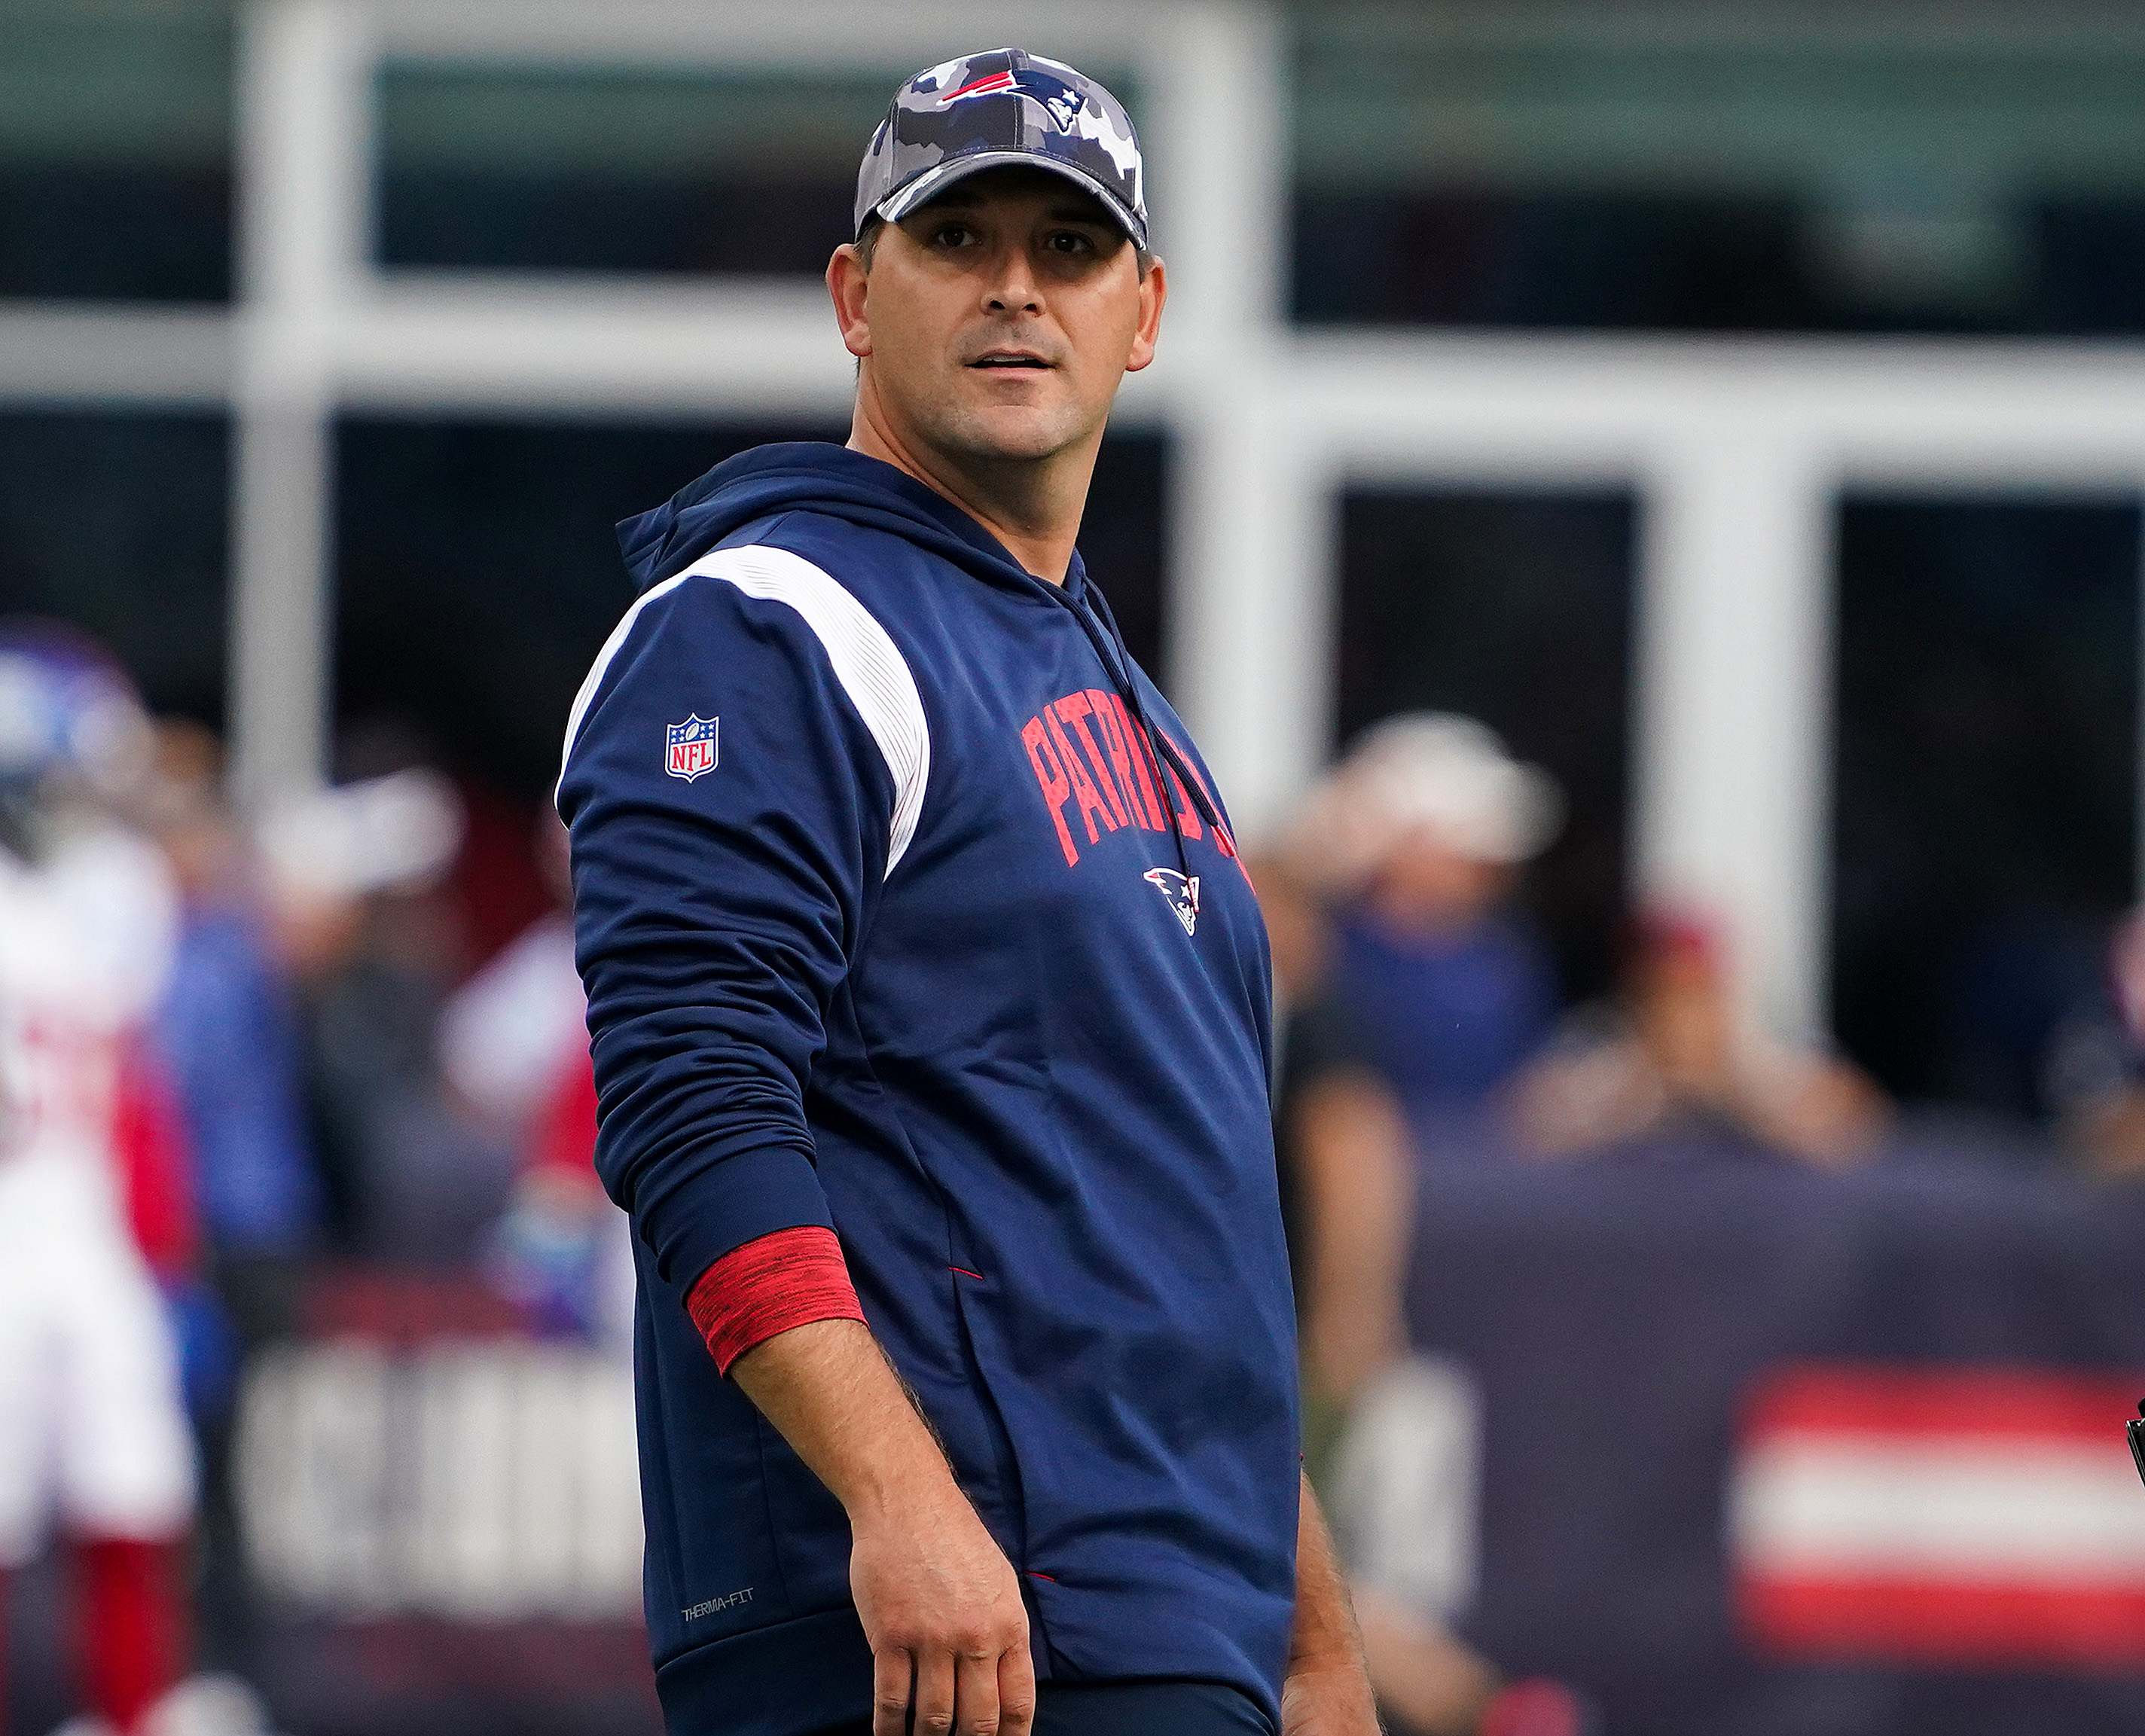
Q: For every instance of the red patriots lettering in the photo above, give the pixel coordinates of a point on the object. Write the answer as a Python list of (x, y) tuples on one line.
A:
[(1121, 760), (1140, 748), (1086, 748), (1074, 709), (1084, 797), (1056, 790)]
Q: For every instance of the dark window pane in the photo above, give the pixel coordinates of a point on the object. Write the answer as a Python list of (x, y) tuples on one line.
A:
[(1568, 260), (589, 220), (2092, 277), (479, 573), (1122, 541), (1683, 170), (134, 232), (633, 170), (1986, 762), (117, 524), (1515, 610), (115, 154)]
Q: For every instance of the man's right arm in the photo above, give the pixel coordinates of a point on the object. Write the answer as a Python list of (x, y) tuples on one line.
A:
[(714, 912), (939, 1602)]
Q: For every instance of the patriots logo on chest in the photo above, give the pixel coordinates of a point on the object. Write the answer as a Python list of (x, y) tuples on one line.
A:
[(1183, 892)]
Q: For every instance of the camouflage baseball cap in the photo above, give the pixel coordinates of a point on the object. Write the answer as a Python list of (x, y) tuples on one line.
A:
[(1006, 106)]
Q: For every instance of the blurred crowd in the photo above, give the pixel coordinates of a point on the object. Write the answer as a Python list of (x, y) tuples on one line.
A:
[(347, 1030), (1421, 1024), (237, 1052)]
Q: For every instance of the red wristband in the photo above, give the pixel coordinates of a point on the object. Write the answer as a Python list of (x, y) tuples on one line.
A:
[(784, 1279)]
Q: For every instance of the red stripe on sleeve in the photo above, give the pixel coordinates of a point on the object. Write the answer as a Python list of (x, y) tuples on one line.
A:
[(787, 1278)]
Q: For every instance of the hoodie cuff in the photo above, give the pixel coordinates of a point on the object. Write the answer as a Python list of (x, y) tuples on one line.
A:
[(785, 1279)]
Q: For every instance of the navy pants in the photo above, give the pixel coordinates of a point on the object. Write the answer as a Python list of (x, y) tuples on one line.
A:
[(1132, 1709)]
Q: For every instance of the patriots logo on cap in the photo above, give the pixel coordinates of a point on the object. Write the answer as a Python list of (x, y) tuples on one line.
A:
[(692, 746), (1181, 890), (987, 85), (1059, 99)]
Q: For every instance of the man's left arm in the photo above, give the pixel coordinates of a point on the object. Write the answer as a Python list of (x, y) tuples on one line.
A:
[(1327, 1692)]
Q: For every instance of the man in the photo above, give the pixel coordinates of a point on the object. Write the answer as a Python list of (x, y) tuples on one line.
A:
[(907, 916), (1420, 835)]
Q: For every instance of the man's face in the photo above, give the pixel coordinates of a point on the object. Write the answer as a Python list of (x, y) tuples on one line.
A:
[(999, 319)]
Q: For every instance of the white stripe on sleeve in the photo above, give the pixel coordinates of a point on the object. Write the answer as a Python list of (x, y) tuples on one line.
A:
[(866, 661)]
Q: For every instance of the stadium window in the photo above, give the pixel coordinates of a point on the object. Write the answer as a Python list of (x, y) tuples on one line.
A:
[(1514, 609), (623, 169), (1702, 169), (1124, 539), (116, 153), (1985, 768), (117, 525)]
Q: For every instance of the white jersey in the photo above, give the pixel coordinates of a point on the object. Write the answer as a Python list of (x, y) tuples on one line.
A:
[(86, 949), (91, 1426)]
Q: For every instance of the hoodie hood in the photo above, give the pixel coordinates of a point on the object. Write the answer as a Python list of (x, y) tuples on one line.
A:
[(818, 476)]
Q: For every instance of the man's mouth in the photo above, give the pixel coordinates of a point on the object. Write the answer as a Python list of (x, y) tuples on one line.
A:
[(1009, 359)]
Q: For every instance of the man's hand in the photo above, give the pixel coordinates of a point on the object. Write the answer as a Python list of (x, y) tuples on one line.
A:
[(939, 1602), (1327, 1691), (943, 1611)]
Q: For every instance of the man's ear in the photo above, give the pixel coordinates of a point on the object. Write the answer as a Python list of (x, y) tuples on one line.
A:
[(847, 282), (1154, 290)]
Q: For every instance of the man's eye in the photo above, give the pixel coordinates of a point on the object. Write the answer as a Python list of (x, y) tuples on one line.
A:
[(950, 235), (1070, 241)]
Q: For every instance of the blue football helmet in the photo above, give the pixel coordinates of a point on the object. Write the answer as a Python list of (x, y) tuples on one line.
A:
[(67, 711)]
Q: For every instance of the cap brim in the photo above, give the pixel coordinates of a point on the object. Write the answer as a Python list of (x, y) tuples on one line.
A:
[(940, 176)]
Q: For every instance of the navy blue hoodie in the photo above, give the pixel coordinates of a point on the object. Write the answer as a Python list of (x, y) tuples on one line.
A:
[(906, 907)]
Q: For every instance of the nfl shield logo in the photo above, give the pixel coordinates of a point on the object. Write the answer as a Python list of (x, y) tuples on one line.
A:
[(689, 747)]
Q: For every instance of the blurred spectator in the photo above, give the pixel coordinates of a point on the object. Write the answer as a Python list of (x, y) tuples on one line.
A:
[(228, 1027), (228, 1023), (375, 946), (514, 1044), (1348, 1205), (1344, 1171), (1417, 838), (2096, 1076), (1671, 1055), (509, 1031)]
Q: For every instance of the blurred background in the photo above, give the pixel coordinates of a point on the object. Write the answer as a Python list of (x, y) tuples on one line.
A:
[(1640, 505)]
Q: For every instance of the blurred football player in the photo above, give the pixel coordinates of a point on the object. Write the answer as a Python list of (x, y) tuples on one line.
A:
[(93, 1433)]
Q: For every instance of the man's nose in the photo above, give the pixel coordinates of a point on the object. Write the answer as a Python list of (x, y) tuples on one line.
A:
[(1014, 288)]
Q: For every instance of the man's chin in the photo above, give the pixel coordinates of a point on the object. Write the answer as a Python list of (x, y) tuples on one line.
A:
[(1007, 435)]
